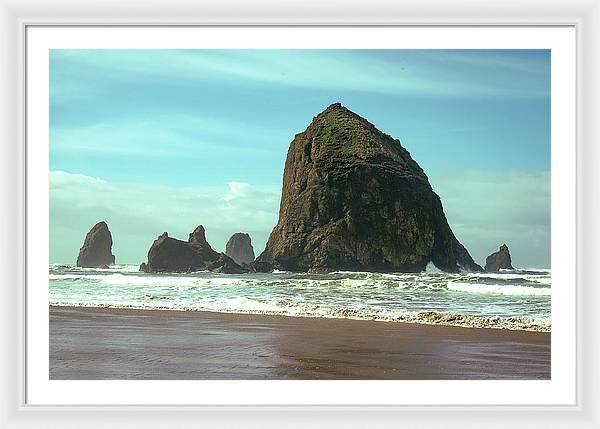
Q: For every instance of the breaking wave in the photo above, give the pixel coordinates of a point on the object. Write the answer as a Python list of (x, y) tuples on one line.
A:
[(505, 300), (249, 306), (498, 289)]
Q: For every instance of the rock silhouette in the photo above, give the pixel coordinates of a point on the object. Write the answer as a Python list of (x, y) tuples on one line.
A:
[(171, 255), (354, 199), (239, 248), (96, 251), (499, 260)]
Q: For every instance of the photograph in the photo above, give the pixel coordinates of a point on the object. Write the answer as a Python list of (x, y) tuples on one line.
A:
[(299, 214)]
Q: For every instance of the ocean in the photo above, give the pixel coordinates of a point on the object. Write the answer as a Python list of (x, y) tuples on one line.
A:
[(518, 299)]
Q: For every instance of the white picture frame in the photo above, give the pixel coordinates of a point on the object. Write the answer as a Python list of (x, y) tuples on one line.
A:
[(583, 15)]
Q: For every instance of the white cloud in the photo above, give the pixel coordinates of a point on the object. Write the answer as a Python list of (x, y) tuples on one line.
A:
[(60, 179), (237, 190)]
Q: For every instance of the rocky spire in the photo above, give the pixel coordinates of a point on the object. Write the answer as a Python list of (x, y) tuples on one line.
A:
[(499, 260), (96, 251), (239, 248)]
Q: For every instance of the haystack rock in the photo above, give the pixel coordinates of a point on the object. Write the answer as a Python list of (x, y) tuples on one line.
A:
[(171, 255), (239, 248), (354, 199), (499, 260), (96, 251)]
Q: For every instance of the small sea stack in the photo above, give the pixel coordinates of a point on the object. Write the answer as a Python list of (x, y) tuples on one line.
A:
[(169, 254), (499, 260), (96, 251), (239, 248)]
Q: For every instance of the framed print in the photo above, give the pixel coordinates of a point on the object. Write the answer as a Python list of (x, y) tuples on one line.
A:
[(362, 218), (364, 265)]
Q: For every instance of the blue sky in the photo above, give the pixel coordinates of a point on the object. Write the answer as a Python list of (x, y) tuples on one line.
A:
[(164, 140)]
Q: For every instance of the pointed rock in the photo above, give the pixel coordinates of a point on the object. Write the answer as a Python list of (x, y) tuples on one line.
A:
[(499, 260), (239, 248), (354, 199), (168, 254), (96, 251), (198, 236)]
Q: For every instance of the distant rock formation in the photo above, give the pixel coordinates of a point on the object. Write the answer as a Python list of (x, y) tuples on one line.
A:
[(171, 255), (239, 248), (96, 251), (499, 260), (354, 199)]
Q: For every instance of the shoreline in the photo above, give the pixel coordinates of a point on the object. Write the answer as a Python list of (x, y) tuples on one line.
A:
[(121, 343), (308, 316)]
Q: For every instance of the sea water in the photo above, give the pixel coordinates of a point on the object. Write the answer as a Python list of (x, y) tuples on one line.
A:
[(516, 299)]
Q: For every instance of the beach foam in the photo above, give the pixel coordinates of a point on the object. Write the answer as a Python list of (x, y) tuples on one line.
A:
[(503, 300), (498, 289)]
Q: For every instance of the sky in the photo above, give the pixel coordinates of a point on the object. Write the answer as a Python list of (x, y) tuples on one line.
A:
[(165, 140)]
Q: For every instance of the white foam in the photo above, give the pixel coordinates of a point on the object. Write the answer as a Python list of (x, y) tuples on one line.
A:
[(495, 275), (400, 297), (120, 279), (497, 289), (432, 269), (67, 276), (252, 306), (126, 268), (540, 279)]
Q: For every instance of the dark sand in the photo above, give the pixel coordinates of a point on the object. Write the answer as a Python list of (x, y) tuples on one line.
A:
[(99, 343)]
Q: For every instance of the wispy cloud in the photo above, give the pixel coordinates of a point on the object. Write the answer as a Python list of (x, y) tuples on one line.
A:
[(171, 136), (405, 72), (532, 62)]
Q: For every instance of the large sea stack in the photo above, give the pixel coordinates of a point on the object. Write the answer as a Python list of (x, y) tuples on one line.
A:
[(354, 199), (239, 248), (499, 260), (171, 255), (96, 251)]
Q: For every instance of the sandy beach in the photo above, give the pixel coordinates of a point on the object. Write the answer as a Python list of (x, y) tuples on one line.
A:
[(102, 343)]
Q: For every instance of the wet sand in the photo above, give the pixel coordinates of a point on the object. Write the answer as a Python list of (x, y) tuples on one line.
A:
[(100, 343)]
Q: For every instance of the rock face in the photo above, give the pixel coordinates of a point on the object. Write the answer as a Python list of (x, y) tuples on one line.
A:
[(171, 255), (354, 199), (239, 248), (96, 251), (499, 260)]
